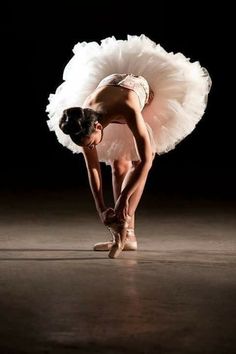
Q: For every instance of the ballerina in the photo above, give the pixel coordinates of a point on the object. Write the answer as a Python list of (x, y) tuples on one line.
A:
[(123, 103)]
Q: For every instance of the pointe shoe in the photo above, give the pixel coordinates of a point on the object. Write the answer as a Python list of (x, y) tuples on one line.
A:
[(119, 232), (130, 243)]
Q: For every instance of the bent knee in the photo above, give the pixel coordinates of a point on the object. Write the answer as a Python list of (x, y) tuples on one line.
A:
[(121, 167)]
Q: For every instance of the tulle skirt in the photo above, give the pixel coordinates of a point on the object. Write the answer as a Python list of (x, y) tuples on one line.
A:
[(180, 90)]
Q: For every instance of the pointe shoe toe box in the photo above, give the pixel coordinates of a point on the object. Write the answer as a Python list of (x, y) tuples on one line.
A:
[(130, 246), (102, 246)]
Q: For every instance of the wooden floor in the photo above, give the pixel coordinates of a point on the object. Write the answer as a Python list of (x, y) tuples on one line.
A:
[(176, 294)]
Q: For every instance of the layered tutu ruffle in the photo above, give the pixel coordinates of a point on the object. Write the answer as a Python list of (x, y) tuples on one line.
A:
[(180, 91)]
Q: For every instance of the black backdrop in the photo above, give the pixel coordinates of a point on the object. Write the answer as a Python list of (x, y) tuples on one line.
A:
[(37, 42)]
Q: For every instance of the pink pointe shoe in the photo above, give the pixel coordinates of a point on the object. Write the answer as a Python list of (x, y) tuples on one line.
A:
[(119, 231), (130, 242)]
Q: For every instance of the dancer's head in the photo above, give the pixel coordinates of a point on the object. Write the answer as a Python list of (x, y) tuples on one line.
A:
[(82, 124)]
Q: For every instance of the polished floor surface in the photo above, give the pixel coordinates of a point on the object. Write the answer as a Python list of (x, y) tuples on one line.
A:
[(176, 294)]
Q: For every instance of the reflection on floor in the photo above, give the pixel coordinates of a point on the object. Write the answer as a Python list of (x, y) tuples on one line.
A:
[(176, 294)]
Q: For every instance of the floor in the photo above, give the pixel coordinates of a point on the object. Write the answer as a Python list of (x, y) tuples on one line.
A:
[(176, 294)]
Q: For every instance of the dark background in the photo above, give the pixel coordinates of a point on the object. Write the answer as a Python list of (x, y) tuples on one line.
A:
[(37, 42)]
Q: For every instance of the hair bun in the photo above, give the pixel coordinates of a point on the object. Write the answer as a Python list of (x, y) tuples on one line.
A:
[(69, 122)]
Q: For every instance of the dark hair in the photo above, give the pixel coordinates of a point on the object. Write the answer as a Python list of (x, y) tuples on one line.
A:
[(78, 122)]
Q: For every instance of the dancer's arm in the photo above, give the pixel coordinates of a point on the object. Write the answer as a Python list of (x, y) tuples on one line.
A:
[(138, 127), (95, 177), (138, 178)]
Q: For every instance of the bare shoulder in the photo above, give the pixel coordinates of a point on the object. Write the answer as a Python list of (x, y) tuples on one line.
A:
[(133, 116)]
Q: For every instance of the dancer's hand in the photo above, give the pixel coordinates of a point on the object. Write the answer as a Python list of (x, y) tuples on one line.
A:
[(107, 216)]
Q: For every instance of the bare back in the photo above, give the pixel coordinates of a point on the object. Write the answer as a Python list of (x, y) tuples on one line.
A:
[(121, 105), (112, 102)]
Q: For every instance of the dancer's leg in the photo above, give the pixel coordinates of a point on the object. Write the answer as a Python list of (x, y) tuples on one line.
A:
[(120, 170), (135, 197), (120, 232)]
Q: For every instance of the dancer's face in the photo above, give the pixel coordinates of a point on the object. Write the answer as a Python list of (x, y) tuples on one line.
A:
[(95, 138)]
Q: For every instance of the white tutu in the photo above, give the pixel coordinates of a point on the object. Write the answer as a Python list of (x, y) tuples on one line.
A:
[(180, 93)]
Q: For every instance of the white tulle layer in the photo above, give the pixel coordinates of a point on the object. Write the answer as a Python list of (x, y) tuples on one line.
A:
[(180, 93)]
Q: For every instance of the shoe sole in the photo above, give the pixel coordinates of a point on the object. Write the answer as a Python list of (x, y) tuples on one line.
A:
[(130, 248)]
